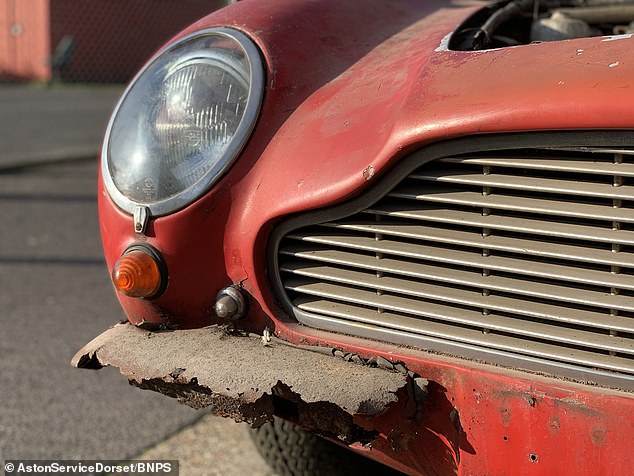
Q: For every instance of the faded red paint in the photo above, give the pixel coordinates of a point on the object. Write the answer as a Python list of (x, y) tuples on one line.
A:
[(361, 89), (487, 420)]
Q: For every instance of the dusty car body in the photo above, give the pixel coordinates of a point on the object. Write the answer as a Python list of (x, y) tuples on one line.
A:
[(421, 246)]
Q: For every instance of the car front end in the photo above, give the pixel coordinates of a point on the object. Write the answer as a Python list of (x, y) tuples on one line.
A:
[(406, 226)]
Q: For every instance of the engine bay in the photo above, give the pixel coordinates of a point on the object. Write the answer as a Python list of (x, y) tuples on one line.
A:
[(522, 22)]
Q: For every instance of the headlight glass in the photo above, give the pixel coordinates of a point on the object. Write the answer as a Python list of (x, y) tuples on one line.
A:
[(182, 121)]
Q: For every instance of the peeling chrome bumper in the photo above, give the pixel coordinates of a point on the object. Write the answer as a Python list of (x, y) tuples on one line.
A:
[(244, 378)]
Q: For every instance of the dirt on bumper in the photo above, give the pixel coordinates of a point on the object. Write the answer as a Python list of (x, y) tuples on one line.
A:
[(244, 378)]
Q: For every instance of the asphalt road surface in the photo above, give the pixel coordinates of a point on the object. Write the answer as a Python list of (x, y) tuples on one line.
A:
[(47, 124), (55, 296)]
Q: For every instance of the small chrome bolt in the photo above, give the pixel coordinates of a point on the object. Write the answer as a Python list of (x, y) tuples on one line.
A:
[(230, 303)]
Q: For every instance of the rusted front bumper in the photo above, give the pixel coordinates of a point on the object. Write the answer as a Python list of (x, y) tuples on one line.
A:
[(470, 419), (250, 378)]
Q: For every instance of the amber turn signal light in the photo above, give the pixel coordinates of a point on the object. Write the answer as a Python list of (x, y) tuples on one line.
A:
[(138, 273)]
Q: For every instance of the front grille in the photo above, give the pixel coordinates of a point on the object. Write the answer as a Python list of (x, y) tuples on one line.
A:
[(522, 254)]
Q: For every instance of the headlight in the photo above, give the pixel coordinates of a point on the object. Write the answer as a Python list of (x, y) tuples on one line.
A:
[(182, 121)]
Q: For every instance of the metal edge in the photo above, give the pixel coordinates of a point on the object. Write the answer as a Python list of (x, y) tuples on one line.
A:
[(502, 141), (235, 147), (469, 351)]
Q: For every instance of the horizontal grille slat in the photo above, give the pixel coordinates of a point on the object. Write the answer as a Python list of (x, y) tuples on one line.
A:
[(582, 151), (464, 278), (514, 257), (464, 258), (524, 204), (449, 332), (532, 184), (464, 317), (442, 293), (557, 164), (504, 223), (492, 242)]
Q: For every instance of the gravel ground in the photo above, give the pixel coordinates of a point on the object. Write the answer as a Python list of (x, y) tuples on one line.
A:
[(213, 446)]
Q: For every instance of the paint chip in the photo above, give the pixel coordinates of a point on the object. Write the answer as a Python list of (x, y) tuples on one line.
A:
[(444, 43), (613, 65), (626, 36)]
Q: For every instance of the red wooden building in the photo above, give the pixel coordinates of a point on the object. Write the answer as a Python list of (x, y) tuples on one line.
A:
[(88, 40)]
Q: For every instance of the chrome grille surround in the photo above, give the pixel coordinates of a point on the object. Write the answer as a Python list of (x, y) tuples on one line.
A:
[(515, 250)]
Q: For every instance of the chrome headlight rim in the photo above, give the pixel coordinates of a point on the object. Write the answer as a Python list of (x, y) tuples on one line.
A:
[(235, 146)]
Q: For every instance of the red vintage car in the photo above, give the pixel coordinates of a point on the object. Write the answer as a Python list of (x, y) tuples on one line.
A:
[(406, 226)]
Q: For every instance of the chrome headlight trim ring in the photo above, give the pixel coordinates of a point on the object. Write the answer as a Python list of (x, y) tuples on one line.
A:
[(234, 146)]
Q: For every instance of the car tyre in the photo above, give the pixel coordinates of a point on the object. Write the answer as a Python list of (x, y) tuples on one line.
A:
[(291, 451)]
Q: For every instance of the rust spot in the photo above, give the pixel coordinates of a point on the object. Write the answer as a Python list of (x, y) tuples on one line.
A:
[(505, 416), (478, 396), (256, 408), (554, 425), (598, 436), (399, 440), (322, 417), (571, 405)]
